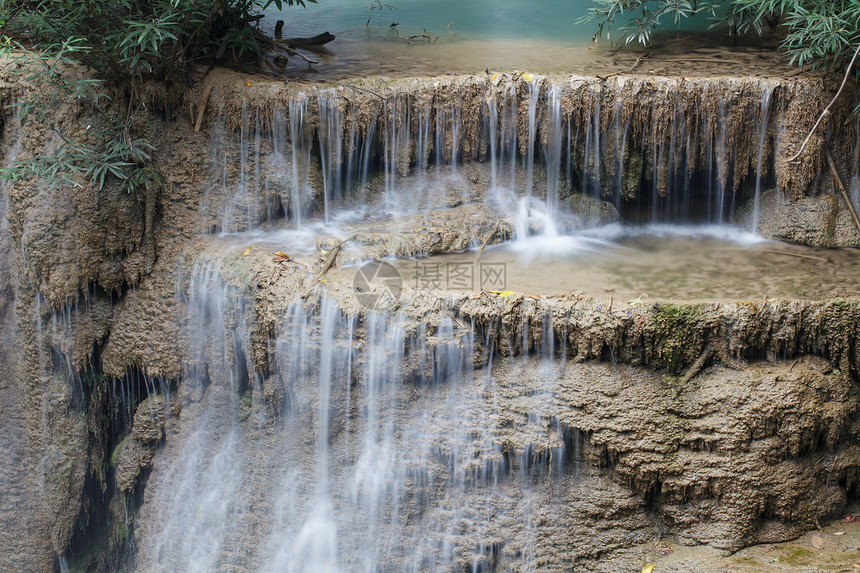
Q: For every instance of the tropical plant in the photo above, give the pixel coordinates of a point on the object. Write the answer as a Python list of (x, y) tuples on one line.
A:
[(123, 43), (823, 33)]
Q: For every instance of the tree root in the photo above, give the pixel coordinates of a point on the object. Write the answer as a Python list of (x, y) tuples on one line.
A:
[(700, 363), (201, 107), (718, 350), (826, 111)]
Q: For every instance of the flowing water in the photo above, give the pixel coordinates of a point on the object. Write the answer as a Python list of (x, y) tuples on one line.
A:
[(371, 442), (367, 440), (529, 153)]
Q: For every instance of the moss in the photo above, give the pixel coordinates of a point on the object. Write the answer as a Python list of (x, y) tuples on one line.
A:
[(677, 335), (114, 457), (797, 556)]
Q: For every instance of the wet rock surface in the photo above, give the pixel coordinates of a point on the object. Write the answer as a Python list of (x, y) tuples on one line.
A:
[(821, 221), (670, 440)]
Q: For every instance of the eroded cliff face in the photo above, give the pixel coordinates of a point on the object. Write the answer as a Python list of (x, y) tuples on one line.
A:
[(98, 313)]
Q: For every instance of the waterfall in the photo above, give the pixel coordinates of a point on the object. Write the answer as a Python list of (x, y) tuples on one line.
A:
[(474, 430), (652, 158), (766, 100), (553, 160), (199, 520), (301, 142), (379, 444), (531, 141), (330, 141), (493, 121)]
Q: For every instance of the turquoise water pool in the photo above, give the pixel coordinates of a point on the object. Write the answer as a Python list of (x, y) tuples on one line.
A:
[(477, 19), (464, 37)]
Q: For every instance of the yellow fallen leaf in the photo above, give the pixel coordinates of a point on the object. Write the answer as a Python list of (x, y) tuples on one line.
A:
[(247, 252), (280, 257), (648, 568), (248, 83), (492, 79), (506, 294), (322, 280), (528, 77)]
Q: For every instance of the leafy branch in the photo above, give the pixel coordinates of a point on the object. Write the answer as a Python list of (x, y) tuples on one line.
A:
[(122, 44), (821, 33)]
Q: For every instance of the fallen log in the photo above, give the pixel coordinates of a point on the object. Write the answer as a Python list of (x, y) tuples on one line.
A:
[(318, 40)]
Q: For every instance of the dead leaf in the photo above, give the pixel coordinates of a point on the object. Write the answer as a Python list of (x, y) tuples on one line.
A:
[(817, 541), (648, 568), (247, 252), (248, 83)]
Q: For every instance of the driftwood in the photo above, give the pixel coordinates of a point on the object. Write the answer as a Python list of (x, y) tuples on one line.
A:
[(326, 261), (492, 233), (318, 40), (274, 48)]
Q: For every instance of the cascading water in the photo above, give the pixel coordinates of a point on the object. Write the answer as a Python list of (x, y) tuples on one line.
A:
[(511, 426), (368, 441), (667, 160), (764, 119), (554, 167), (330, 141), (380, 448), (301, 142)]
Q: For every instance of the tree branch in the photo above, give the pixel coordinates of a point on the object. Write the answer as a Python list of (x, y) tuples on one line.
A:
[(826, 111)]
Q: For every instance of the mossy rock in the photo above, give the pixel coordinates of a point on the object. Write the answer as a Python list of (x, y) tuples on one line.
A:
[(678, 331)]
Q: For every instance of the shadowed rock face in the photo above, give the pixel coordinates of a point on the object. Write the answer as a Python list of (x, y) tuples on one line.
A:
[(548, 441)]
